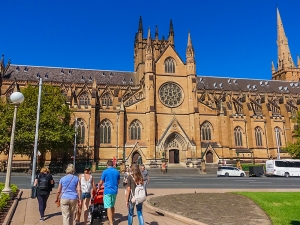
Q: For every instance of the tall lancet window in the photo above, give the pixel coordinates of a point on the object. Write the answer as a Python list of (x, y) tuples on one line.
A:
[(238, 137), (81, 131), (258, 136), (278, 136), (105, 132), (135, 130), (206, 131), (169, 65)]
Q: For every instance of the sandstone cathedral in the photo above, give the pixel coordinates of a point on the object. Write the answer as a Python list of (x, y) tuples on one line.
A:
[(163, 109)]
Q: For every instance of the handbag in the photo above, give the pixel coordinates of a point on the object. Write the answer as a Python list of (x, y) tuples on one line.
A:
[(58, 199), (33, 191)]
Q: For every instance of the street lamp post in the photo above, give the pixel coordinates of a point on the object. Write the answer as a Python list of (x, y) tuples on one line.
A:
[(17, 98), (34, 160), (75, 137)]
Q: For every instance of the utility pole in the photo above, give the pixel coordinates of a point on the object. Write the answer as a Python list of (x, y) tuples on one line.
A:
[(75, 137)]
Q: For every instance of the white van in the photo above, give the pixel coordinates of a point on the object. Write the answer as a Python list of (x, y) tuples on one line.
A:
[(284, 167)]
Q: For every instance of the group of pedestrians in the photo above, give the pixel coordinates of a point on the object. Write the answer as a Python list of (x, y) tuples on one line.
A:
[(75, 192)]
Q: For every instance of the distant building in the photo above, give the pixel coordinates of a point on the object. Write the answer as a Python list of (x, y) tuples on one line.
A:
[(164, 110)]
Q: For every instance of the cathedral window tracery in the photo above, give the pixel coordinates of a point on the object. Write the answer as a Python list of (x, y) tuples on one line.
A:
[(105, 132), (171, 94), (135, 130), (169, 65), (84, 99), (206, 131), (278, 136), (107, 100), (81, 131), (258, 137), (238, 137)]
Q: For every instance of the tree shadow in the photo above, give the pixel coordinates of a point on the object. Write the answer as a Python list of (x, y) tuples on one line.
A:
[(293, 222)]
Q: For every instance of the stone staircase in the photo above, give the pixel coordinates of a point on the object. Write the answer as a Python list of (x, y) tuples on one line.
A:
[(211, 168), (179, 169)]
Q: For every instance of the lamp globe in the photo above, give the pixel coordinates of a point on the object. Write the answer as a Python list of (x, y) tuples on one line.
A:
[(17, 97)]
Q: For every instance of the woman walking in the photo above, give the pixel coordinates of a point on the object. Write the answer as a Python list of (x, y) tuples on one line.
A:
[(44, 182), (133, 180), (87, 184), (70, 191)]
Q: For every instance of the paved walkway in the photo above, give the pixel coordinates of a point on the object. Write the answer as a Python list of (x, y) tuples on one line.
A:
[(27, 211)]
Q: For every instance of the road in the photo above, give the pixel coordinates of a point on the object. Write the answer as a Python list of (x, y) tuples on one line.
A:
[(198, 181)]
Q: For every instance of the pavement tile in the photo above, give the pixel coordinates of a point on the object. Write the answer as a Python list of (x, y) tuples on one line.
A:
[(27, 211)]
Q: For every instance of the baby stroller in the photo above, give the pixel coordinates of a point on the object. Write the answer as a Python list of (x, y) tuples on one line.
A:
[(96, 209)]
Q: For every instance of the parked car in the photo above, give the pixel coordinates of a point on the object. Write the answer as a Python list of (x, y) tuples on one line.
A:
[(230, 171)]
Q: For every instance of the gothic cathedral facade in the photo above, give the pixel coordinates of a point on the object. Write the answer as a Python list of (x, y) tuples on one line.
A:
[(163, 109)]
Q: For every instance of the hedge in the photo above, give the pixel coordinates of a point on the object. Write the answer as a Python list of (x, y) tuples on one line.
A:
[(4, 198)]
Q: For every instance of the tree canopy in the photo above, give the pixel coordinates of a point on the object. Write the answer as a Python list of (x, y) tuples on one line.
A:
[(294, 148), (56, 134)]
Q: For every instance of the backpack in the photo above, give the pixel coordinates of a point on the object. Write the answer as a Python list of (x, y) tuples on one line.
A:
[(43, 183), (139, 194)]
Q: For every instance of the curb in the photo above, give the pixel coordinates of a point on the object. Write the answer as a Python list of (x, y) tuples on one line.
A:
[(12, 209), (172, 215)]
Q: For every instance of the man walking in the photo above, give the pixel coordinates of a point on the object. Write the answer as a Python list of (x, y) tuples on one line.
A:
[(111, 179), (145, 177)]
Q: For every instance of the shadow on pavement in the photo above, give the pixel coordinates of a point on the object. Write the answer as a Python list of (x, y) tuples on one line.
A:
[(52, 215)]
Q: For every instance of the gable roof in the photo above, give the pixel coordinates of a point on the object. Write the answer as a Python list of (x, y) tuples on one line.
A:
[(68, 75)]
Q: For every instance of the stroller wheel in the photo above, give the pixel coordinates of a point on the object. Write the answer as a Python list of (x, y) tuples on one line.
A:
[(90, 217)]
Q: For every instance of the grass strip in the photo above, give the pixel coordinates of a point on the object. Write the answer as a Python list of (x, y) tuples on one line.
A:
[(281, 207)]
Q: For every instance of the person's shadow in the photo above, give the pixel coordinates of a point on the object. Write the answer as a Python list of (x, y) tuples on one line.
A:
[(52, 215)]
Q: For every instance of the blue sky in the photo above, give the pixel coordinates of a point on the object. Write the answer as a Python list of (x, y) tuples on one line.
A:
[(231, 38)]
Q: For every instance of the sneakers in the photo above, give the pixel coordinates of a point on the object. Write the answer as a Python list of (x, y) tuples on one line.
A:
[(42, 219)]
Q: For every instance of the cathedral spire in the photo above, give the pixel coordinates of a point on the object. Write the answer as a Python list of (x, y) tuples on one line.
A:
[(140, 30), (284, 55), (190, 48), (171, 34), (156, 32)]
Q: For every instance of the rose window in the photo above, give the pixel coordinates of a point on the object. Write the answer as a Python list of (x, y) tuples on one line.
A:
[(171, 94)]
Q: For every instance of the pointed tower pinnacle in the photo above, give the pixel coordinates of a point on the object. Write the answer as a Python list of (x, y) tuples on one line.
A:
[(156, 32), (298, 61), (140, 25), (171, 34), (190, 56), (284, 55), (149, 54), (272, 67)]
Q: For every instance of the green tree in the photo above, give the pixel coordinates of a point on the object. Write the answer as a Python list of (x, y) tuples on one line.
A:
[(55, 131), (294, 148)]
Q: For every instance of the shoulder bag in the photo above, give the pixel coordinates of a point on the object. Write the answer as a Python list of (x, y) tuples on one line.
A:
[(58, 200)]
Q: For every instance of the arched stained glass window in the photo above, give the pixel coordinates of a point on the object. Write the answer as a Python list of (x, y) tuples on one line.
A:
[(206, 131), (135, 130), (238, 137), (169, 65), (258, 137), (105, 132), (84, 99)]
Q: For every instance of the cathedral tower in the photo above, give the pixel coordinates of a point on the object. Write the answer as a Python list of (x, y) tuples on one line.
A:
[(286, 69)]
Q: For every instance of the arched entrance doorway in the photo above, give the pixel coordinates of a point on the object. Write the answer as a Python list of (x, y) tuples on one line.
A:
[(135, 157), (209, 157), (174, 156)]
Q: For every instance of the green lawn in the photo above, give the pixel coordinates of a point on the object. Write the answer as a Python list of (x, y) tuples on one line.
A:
[(282, 207)]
